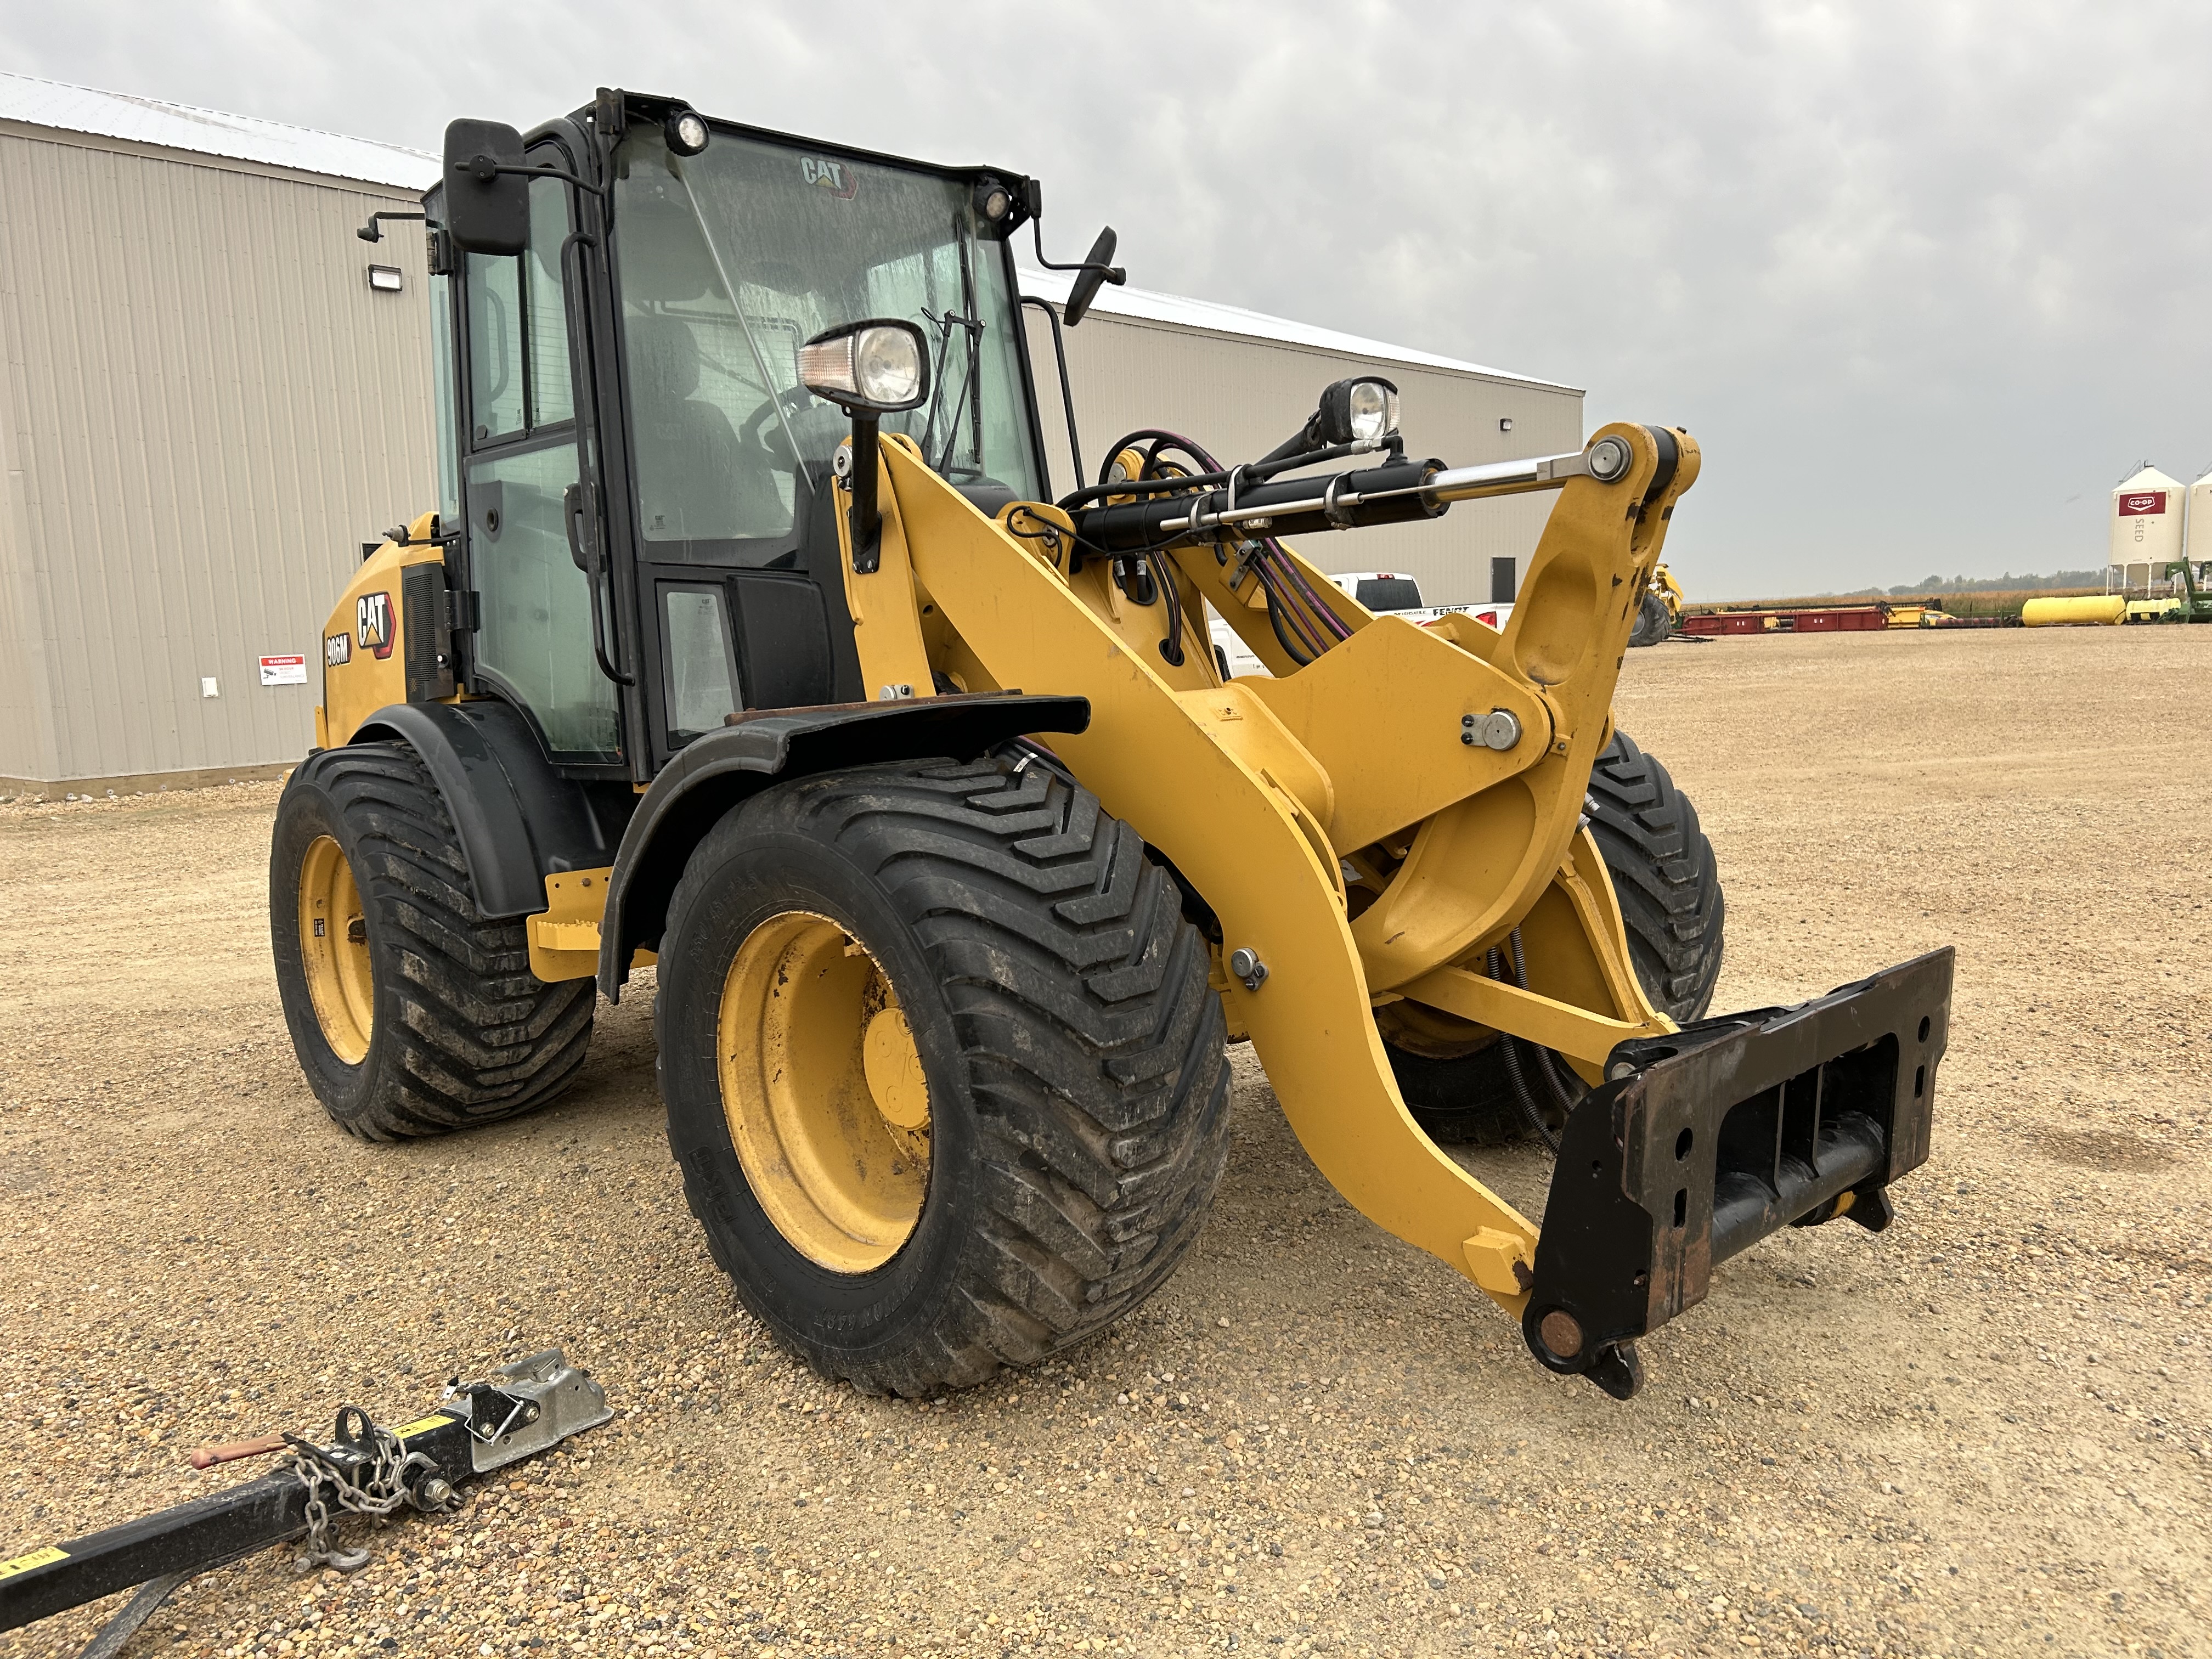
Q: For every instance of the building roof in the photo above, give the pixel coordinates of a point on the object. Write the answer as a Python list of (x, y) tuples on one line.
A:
[(1174, 309), (211, 132)]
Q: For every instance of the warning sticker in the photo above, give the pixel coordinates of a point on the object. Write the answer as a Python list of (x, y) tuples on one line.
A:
[(283, 670), (421, 1425)]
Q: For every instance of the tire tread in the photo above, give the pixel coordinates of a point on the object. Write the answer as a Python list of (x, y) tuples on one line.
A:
[(468, 1035), (1093, 1044), (1665, 876)]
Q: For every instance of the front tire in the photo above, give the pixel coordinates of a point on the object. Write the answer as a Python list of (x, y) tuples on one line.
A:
[(1000, 935), (410, 1013), (1454, 1075)]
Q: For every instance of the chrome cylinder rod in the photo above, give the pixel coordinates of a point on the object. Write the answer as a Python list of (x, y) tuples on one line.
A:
[(1604, 460)]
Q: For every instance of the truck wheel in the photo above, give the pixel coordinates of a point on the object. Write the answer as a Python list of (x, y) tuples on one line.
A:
[(1453, 1073), (943, 1072), (1654, 621), (410, 1014)]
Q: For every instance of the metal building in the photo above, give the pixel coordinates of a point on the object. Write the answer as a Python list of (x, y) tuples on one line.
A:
[(206, 404), (212, 393)]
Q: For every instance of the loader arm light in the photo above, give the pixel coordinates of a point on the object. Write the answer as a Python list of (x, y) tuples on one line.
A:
[(868, 369), (875, 368)]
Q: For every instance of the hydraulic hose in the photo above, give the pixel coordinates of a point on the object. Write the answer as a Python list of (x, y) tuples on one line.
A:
[(1522, 1056), (1523, 1097)]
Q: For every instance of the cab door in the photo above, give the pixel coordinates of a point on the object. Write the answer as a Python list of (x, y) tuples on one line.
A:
[(519, 460)]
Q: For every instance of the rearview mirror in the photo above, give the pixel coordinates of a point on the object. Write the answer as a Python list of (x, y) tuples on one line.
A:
[(487, 205), (1095, 272)]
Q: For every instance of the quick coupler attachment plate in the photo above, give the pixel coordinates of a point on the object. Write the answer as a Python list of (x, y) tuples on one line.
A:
[(1701, 1143)]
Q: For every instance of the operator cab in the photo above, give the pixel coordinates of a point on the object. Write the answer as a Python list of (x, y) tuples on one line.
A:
[(635, 487)]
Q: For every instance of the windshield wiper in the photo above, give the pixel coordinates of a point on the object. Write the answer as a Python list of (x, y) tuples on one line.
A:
[(946, 323)]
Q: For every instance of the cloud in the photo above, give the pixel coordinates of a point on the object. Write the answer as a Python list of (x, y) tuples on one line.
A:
[(1924, 279)]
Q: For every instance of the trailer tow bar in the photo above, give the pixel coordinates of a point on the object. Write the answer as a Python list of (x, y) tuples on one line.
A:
[(519, 1411)]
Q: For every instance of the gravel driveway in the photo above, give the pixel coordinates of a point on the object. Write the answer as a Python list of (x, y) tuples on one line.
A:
[(1984, 1431)]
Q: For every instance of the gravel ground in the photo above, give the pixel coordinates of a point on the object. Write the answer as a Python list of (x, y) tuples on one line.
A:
[(1986, 1432)]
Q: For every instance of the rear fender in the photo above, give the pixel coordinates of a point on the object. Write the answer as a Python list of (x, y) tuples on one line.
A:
[(519, 820), (714, 772)]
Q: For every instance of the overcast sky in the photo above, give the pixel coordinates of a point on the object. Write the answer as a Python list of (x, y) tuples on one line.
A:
[(1925, 280)]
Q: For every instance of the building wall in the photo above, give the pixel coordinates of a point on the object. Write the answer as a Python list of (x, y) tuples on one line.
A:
[(1239, 397), (204, 411)]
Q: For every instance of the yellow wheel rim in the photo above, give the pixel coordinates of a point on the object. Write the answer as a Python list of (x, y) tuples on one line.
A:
[(334, 950), (823, 1090)]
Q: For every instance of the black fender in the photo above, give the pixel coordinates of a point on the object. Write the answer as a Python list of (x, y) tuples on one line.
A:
[(713, 772), (519, 820)]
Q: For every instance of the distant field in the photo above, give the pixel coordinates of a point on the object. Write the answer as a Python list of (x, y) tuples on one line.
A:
[(2004, 602), (2007, 604)]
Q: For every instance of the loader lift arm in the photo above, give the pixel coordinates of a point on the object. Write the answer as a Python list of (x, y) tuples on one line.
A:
[(1277, 783)]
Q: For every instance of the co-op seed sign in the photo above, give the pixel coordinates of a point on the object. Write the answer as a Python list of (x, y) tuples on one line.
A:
[(2142, 505)]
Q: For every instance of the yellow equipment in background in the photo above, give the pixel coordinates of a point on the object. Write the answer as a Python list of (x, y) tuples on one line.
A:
[(1659, 613), (750, 639), (2108, 609)]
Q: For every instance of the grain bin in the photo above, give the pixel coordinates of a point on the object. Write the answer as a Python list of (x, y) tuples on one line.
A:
[(2198, 537), (2146, 513)]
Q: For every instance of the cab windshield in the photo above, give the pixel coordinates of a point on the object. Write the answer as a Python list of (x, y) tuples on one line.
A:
[(727, 262)]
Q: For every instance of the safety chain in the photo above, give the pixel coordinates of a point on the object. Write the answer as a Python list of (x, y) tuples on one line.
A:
[(375, 1486)]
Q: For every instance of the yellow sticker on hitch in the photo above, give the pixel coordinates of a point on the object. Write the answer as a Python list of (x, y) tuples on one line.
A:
[(422, 1426), (41, 1557)]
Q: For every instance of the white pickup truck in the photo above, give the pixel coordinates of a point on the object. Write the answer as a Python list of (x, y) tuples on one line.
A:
[(1382, 592)]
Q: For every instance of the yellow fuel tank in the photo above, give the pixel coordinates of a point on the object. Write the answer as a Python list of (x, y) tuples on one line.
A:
[(2106, 608)]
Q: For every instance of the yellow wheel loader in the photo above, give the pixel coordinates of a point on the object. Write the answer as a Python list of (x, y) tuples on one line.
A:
[(1661, 611), (749, 638)]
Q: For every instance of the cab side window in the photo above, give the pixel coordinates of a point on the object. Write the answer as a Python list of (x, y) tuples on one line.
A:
[(519, 332), (533, 642)]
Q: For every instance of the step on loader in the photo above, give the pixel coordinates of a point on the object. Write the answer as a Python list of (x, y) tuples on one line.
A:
[(748, 639)]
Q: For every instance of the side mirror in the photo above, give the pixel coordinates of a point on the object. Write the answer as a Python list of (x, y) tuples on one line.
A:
[(487, 196), (1096, 272)]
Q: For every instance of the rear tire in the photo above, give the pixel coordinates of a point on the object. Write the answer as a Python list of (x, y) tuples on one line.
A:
[(450, 1028), (1668, 885), (1654, 621), (1665, 876), (1076, 1115)]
